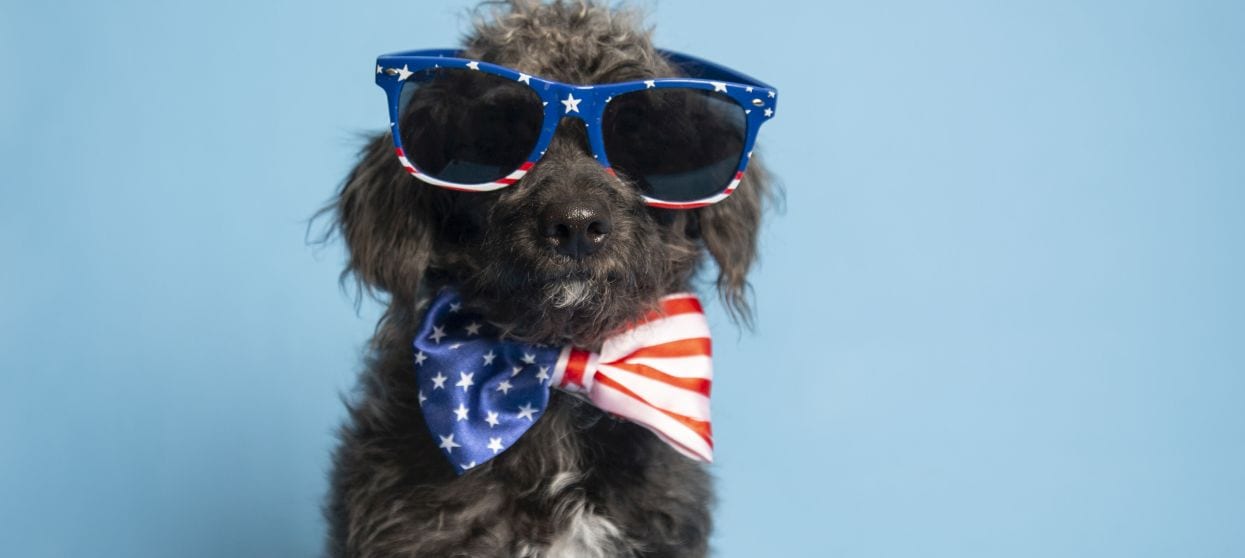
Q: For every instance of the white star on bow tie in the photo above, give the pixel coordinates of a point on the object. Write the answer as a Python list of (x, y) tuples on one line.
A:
[(464, 380)]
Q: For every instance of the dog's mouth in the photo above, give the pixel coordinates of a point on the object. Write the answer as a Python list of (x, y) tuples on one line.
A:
[(578, 305), (574, 289)]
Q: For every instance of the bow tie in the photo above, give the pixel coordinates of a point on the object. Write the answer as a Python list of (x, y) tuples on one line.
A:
[(479, 394)]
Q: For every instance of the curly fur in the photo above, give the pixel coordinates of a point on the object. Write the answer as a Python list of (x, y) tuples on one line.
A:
[(578, 483)]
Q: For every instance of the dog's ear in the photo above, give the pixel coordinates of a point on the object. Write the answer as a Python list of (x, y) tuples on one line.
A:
[(729, 231), (386, 221)]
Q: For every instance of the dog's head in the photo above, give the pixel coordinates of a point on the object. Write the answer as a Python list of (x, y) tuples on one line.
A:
[(570, 252)]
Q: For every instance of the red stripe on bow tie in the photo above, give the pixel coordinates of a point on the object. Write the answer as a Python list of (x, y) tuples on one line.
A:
[(698, 346), (576, 365), (675, 305), (701, 428), (698, 385)]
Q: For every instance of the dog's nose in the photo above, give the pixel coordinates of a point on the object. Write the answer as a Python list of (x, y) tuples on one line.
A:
[(575, 228)]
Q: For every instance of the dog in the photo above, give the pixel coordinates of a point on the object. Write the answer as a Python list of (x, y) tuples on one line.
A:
[(579, 483)]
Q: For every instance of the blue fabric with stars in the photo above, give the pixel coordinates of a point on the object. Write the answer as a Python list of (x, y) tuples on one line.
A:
[(478, 393)]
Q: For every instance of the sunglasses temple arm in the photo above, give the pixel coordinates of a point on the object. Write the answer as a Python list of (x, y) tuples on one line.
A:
[(704, 69)]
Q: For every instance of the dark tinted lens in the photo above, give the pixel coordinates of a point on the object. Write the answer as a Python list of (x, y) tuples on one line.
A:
[(467, 126), (678, 144)]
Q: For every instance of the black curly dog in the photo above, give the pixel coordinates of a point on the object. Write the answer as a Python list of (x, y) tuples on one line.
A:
[(578, 484)]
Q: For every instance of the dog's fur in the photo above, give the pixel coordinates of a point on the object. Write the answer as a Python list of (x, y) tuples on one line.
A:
[(578, 483)]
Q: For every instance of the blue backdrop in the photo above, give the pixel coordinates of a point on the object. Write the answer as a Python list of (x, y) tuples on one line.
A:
[(1002, 314)]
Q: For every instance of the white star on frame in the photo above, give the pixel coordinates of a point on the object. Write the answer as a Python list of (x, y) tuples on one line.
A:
[(473, 65), (525, 78), (719, 86), (571, 103), (404, 73), (650, 83)]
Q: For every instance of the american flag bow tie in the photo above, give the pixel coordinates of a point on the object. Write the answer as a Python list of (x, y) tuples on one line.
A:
[(479, 393)]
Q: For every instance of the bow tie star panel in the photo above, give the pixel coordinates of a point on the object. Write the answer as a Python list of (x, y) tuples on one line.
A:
[(479, 394)]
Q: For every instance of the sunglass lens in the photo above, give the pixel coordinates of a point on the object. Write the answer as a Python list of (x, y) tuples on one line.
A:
[(679, 145), (466, 126)]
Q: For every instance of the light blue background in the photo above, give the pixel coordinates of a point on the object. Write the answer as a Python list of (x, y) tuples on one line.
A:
[(1001, 316)]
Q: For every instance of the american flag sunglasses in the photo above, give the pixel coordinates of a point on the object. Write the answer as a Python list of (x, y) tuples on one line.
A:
[(469, 125)]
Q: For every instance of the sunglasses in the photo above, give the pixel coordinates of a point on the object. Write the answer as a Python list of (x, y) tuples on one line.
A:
[(468, 125)]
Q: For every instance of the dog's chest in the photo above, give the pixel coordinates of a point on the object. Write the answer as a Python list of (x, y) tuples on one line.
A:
[(581, 531), (585, 535)]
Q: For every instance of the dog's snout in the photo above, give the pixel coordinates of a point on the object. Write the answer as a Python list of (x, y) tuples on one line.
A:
[(575, 228)]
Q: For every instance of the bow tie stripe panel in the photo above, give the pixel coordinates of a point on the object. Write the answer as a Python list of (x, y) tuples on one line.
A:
[(664, 362), (479, 394)]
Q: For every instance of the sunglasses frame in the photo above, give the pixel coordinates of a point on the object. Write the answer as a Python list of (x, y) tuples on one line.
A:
[(585, 102)]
